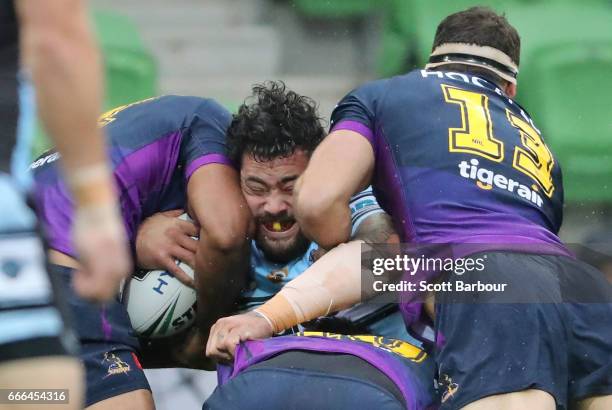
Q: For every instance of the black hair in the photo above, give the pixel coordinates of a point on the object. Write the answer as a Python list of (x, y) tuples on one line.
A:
[(273, 122), (481, 26)]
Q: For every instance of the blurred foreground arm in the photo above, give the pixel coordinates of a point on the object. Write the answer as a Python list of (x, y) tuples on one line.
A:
[(59, 51)]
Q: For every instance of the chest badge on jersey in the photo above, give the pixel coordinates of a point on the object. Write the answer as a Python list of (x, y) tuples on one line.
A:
[(277, 276), (11, 267), (448, 386), (116, 366)]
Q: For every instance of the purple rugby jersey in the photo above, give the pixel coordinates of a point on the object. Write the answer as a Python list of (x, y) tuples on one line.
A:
[(402, 362), (155, 146), (457, 162)]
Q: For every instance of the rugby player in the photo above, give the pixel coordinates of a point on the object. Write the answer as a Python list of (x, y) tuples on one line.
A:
[(272, 140), (166, 153), (35, 342), (455, 160)]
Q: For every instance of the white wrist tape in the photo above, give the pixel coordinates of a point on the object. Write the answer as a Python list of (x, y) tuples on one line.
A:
[(88, 174)]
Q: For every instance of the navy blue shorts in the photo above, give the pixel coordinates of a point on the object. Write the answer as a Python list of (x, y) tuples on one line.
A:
[(550, 329), (309, 380), (109, 346)]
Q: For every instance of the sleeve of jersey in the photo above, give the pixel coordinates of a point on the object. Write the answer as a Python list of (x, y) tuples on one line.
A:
[(355, 112), (362, 206), (205, 140)]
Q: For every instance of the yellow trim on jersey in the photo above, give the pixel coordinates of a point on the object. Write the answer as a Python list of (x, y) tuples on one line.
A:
[(399, 347), (109, 116)]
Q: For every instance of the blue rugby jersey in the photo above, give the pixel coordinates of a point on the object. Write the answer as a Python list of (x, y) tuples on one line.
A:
[(267, 277), (155, 146)]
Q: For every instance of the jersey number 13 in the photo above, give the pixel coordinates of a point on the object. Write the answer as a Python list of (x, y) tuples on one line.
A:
[(475, 136)]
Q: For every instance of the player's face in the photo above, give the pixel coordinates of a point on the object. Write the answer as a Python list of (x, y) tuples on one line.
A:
[(268, 189)]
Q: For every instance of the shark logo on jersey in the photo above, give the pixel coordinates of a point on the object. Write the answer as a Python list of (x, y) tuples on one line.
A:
[(11, 267), (277, 276), (487, 180)]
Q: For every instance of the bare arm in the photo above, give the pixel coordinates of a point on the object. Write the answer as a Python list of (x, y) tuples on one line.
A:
[(58, 49), (222, 257), (64, 61), (340, 166)]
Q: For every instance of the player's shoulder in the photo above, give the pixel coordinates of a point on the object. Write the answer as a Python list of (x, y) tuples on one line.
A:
[(180, 111), (375, 91), (199, 109), (189, 103), (371, 89)]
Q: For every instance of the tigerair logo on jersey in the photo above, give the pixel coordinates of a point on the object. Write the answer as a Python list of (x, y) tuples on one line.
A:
[(486, 179)]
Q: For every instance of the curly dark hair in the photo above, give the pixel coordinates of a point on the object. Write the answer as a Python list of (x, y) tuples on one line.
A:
[(273, 122)]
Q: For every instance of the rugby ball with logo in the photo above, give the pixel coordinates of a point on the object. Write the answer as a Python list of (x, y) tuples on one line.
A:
[(158, 304)]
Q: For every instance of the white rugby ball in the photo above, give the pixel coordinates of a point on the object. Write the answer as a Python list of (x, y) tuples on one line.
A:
[(158, 304)]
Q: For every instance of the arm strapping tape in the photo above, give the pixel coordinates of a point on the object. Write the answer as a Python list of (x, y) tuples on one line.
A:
[(331, 284)]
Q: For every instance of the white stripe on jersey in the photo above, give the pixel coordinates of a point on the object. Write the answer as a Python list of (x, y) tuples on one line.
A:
[(363, 205)]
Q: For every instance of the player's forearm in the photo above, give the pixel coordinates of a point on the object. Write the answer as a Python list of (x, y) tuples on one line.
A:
[(331, 284), (341, 166), (324, 219), (221, 274), (222, 257), (64, 62)]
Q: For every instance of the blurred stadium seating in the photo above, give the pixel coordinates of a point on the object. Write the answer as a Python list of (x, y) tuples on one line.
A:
[(336, 8), (566, 62), (130, 69), (131, 72)]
